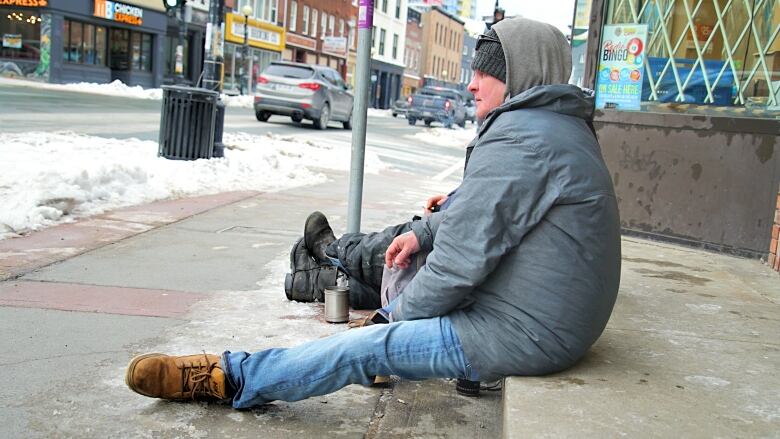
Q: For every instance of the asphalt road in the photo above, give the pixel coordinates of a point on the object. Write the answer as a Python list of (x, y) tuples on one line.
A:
[(26, 109)]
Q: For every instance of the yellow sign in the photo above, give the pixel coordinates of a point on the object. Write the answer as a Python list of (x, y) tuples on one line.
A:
[(25, 3), (261, 34), (119, 12)]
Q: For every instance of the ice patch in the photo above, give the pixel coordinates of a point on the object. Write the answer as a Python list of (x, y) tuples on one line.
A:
[(703, 309)]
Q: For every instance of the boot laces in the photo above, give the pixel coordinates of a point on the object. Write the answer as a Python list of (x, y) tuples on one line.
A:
[(198, 375)]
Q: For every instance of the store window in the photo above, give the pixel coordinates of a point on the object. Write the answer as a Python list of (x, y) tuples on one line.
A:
[(718, 57), (131, 50), (21, 34), (83, 43)]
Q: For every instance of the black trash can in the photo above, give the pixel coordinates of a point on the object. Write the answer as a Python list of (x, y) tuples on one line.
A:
[(187, 123)]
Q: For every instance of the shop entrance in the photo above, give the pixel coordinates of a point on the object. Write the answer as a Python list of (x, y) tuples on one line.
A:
[(130, 56)]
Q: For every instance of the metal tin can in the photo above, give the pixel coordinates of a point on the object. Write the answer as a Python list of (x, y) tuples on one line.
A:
[(337, 304)]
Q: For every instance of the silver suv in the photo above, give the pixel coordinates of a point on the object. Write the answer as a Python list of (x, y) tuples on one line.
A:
[(303, 91)]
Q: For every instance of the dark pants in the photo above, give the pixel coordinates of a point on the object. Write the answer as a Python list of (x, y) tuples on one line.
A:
[(362, 257)]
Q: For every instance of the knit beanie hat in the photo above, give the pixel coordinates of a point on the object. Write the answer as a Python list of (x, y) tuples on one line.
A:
[(489, 56)]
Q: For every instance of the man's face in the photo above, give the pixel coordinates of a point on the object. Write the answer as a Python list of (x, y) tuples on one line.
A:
[(488, 93)]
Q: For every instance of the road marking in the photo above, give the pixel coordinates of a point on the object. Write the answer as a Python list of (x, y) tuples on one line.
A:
[(446, 173)]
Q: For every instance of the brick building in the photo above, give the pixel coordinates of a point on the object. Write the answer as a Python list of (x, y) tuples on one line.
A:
[(320, 32), (413, 55), (442, 45)]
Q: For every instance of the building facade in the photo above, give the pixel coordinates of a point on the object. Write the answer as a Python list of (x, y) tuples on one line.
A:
[(387, 52), (696, 160), (100, 41), (469, 47), (321, 32), (413, 52), (265, 34), (442, 46)]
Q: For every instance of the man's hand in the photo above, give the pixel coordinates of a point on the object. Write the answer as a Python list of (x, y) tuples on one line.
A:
[(436, 200), (401, 250)]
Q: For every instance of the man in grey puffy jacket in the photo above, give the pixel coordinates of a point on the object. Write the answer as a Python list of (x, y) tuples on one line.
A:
[(524, 264)]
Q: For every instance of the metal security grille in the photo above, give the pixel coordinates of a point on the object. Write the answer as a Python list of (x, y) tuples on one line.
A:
[(742, 33), (187, 123)]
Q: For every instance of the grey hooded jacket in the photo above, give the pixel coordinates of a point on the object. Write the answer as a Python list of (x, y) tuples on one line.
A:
[(526, 259)]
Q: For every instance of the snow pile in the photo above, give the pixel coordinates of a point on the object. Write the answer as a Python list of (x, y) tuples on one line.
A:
[(375, 112), (115, 88), (456, 137), (50, 178), (119, 89), (241, 101)]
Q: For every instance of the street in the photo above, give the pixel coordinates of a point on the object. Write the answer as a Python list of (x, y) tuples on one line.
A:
[(26, 109)]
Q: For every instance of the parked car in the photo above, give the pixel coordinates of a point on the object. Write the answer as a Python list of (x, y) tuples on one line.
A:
[(400, 106), (471, 110), (303, 91), (440, 104)]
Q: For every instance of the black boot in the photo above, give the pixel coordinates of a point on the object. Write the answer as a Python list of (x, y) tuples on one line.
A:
[(307, 279), (317, 234)]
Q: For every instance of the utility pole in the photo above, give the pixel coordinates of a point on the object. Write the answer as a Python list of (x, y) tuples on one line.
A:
[(362, 84), (214, 62), (182, 13), (213, 65)]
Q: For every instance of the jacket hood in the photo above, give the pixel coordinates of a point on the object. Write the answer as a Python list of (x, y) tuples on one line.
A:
[(536, 54)]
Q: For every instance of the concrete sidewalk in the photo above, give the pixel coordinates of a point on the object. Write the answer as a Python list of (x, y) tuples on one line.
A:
[(692, 348)]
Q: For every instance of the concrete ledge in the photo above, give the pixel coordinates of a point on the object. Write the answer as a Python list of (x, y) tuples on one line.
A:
[(692, 350)]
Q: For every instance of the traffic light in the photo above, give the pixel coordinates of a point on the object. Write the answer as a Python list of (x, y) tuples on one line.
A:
[(173, 4)]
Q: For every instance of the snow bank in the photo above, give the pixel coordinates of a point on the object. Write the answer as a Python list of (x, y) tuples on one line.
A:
[(375, 112), (456, 137), (119, 89), (50, 178)]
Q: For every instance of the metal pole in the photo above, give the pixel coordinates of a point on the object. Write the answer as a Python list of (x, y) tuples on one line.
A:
[(212, 68), (362, 84), (245, 55), (213, 64), (179, 66)]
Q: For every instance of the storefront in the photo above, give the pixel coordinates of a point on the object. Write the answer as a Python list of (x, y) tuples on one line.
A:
[(688, 115), (266, 44), (386, 83), (82, 41)]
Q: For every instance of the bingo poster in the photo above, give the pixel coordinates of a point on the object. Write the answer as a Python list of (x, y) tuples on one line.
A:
[(621, 66)]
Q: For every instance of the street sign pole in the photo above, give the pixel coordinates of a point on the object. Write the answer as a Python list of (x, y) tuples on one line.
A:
[(362, 83), (212, 66)]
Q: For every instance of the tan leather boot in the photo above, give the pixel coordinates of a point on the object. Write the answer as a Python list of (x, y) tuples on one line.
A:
[(191, 377)]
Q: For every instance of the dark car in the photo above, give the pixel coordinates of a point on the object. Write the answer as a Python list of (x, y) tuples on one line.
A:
[(400, 106), (303, 91), (437, 104)]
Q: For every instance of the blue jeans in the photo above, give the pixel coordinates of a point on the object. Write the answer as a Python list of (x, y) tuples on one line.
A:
[(413, 350)]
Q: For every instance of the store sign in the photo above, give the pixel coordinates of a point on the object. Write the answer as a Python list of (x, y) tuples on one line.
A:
[(25, 3), (305, 42), (621, 66), (260, 34), (335, 46), (13, 41), (119, 12)]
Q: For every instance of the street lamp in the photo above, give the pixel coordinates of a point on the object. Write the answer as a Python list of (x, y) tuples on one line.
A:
[(247, 11)]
